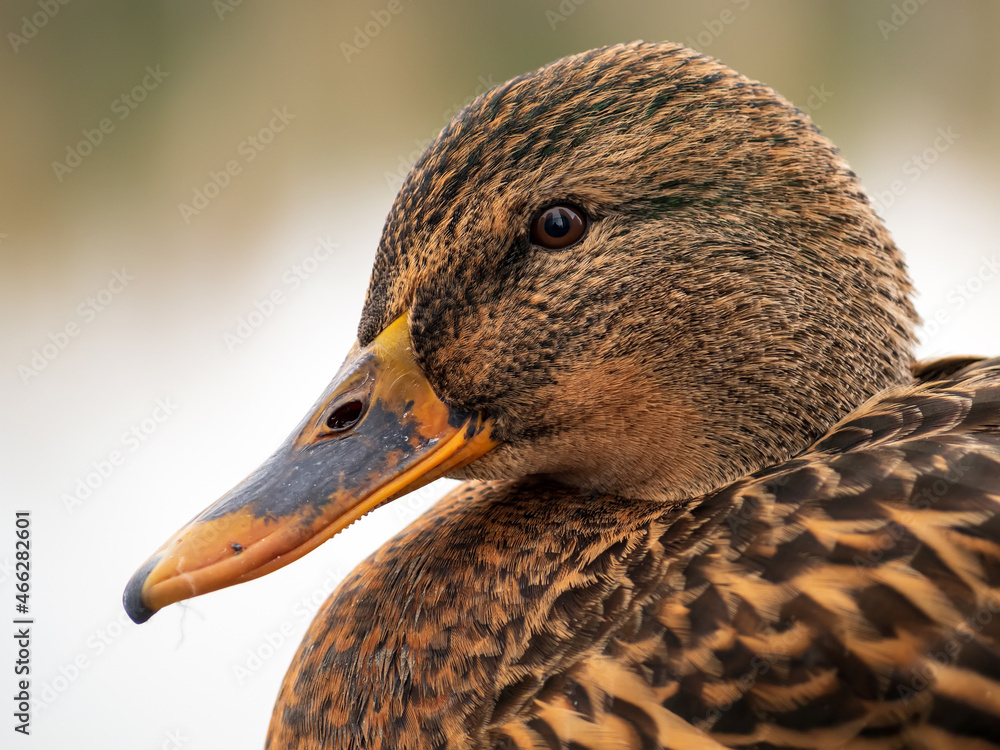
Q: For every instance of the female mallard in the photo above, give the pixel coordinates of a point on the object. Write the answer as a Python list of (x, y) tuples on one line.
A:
[(647, 305)]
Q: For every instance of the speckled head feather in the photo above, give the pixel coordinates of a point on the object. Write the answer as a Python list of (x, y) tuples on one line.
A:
[(734, 296)]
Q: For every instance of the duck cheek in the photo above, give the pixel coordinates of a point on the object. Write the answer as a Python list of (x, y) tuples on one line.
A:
[(487, 353), (507, 461)]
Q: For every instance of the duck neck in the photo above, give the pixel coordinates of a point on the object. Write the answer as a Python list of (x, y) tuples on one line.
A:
[(459, 620)]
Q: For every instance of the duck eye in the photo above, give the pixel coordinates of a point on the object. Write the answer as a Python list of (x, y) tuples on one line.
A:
[(557, 227), (345, 416)]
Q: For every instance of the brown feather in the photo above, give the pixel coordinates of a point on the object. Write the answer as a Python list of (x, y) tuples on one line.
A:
[(750, 631), (729, 510)]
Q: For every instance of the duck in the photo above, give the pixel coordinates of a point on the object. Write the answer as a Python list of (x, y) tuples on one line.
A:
[(645, 310)]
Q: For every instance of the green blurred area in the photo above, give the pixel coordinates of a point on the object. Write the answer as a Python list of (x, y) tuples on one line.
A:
[(895, 71)]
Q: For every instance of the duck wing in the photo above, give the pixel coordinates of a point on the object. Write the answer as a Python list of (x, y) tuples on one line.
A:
[(847, 598)]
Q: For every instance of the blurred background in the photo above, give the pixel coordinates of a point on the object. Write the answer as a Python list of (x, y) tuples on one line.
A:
[(191, 194)]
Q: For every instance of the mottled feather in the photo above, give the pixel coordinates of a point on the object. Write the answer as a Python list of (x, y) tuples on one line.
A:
[(850, 598), (727, 509)]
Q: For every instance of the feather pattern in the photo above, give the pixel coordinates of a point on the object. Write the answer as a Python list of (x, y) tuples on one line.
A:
[(849, 598)]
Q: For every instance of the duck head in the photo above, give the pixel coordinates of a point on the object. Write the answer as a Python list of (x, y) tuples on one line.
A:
[(632, 271)]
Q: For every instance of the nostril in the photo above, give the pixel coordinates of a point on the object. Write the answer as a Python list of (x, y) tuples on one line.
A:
[(345, 416)]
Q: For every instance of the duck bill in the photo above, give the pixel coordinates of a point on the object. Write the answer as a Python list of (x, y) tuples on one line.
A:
[(378, 432)]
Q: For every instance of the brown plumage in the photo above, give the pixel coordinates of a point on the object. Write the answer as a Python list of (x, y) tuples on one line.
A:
[(735, 297), (726, 509), (848, 598)]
